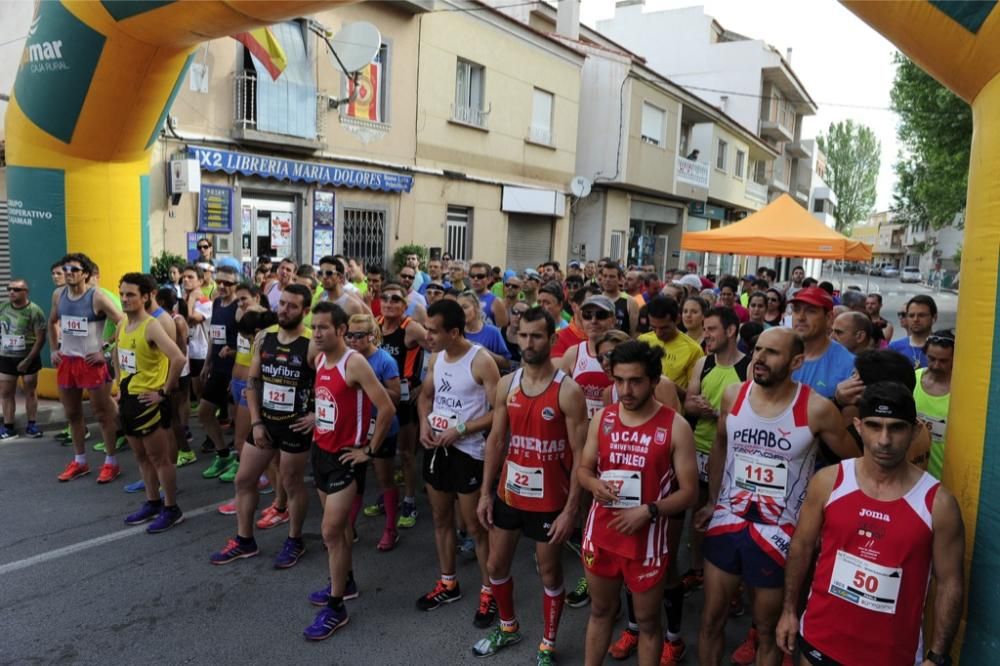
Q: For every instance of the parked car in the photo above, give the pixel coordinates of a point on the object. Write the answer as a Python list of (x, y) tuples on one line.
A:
[(889, 271), (911, 274)]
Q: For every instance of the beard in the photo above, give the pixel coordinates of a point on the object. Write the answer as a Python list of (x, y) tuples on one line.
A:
[(772, 378), (290, 324), (535, 357)]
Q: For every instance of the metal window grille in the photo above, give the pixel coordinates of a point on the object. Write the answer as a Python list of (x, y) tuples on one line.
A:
[(457, 232), (364, 235), (617, 243)]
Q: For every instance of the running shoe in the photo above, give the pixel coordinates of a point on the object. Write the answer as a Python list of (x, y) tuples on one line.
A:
[(136, 487), (120, 444), (7, 434), (207, 446), (388, 541), (326, 623), (407, 515), (148, 511), (218, 466), (496, 640), (580, 595), (233, 551), (376, 509), (626, 644), (99, 447), (264, 486), (693, 579), (486, 614), (351, 589), (467, 547), (66, 435), (321, 596), (109, 473), (291, 552), (746, 653), (74, 470), (185, 458), (673, 652), (230, 474), (228, 509), (440, 595), (32, 430), (545, 657), (167, 519), (271, 517)]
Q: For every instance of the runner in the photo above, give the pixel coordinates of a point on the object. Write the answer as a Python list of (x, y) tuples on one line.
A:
[(285, 276), (280, 401), (933, 394), (921, 314), (365, 337), (635, 450), (854, 331), (333, 276), (882, 526), (581, 362), (545, 415), (873, 306), (455, 411), (199, 313), (492, 307), (762, 459), (148, 364), (77, 316), (827, 362), (218, 370), (626, 308), (679, 351), (416, 304), (22, 336), (346, 391), (573, 334), (166, 298), (403, 339)]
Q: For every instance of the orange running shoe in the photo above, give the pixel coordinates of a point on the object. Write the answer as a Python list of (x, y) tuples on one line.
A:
[(271, 517), (74, 470), (228, 509), (746, 653), (109, 473), (626, 644), (673, 652)]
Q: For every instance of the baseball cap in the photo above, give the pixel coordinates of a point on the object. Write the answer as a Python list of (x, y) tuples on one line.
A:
[(599, 301), (532, 274), (690, 280), (749, 277), (813, 296), (692, 264), (575, 264), (435, 285)]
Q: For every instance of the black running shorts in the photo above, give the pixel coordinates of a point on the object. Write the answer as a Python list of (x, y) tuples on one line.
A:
[(533, 524), (449, 470), (331, 475), (139, 419)]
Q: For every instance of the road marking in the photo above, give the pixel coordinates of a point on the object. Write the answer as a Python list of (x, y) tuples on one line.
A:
[(90, 543)]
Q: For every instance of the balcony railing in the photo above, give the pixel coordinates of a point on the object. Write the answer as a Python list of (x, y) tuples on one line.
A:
[(693, 173), (245, 117), (542, 135), (468, 115), (756, 191)]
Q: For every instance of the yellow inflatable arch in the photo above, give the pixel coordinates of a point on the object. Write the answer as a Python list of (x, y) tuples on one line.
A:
[(97, 79)]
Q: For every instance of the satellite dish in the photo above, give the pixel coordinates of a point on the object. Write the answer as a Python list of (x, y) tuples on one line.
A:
[(580, 187), (355, 46)]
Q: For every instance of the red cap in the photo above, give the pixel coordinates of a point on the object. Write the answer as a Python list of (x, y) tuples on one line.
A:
[(813, 296)]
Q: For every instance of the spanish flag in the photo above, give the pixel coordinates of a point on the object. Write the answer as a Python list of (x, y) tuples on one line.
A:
[(265, 47), (365, 104)]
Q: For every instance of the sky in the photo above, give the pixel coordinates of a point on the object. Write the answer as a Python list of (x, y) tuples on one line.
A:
[(840, 60)]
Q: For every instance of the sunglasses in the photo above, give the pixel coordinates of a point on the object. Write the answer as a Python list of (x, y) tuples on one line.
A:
[(391, 298), (477, 276), (403, 276), (357, 335), (331, 273), (518, 313), (204, 247), (595, 314), (512, 286), (17, 289), (434, 291), (942, 340), (226, 283), (72, 269)]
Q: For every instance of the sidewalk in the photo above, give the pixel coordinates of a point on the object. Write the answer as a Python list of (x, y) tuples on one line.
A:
[(50, 413)]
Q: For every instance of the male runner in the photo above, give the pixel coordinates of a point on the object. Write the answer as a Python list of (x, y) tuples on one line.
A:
[(854, 331), (636, 449), (545, 415), (921, 313), (346, 389), (626, 307), (375, 277), (581, 362), (793, 286), (218, 369), (763, 457), (286, 275), (454, 408), (22, 336), (827, 362), (873, 306), (882, 526), (932, 394), (279, 397), (493, 308), (333, 274), (403, 338), (148, 364), (680, 352), (78, 315)]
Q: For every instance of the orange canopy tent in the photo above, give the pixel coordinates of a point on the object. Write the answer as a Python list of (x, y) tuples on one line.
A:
[(782, 229)]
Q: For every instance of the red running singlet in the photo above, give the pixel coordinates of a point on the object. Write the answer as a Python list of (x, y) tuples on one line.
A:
[(342, 412)]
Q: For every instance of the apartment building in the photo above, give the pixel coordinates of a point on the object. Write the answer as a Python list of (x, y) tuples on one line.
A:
[(445, 143)]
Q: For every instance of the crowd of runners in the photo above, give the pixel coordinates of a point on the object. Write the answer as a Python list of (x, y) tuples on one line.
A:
[(776, 430)]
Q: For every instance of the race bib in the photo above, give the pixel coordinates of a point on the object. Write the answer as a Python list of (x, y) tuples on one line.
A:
[(760, 475), (404, 391), (525, 481), (326, 414), (702, 460), (218, 334), (242, 344), (594, 406), (442, 421), (871, 586), (73, 326), (279, 398), (12, 343), (126, 361), (627, 484), (937, 427)]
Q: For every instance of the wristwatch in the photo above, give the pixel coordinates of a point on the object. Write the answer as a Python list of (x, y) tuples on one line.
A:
[(654, 511), (938, 659), (368, 451), (461, 429)]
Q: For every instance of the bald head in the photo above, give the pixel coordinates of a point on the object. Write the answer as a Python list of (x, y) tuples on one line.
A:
[(778, 353), (784, 339), (853, 330)]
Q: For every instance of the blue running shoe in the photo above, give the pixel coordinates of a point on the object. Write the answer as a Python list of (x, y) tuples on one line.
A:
[(327, 621), (7, 434), (148, 511), (136, 487), (233, 551), (291, 552), (321, 596), (33, 431), (167, 519)]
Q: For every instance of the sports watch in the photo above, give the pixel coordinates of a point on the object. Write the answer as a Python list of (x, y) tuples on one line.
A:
[(654, 511), (461, 429), (938, 659)]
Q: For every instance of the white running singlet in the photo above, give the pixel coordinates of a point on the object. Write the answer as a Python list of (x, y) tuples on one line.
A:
[(459, 399)]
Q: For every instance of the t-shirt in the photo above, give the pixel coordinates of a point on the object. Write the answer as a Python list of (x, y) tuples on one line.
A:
[(385, 368), (20, 328), (111, 329), (914, 354), (198, 337), (491, 339), (566, 339), (678, 355), (824, 373)]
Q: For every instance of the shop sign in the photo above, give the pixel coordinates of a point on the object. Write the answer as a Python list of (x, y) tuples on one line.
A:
[(215, 209)]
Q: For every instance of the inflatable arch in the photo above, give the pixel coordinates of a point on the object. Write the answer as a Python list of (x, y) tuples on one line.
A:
[(97, 79), (958, 43)]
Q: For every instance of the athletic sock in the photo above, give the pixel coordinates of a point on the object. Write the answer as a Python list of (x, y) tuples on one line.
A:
[(80, 459), (355, 508), (673, 604), (633, 624), (391, 501), (449, 580), (10, 426), (157, 502), (224, 453), (30, 423), (552, 608), (246, 541), (110, 460), (335, 603), (503, 592)]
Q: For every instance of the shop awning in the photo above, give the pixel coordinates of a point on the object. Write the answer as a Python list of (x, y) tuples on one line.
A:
[(782, 229)]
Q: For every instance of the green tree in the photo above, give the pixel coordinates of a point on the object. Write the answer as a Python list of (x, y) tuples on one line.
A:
[(852, 163), (935, 128)]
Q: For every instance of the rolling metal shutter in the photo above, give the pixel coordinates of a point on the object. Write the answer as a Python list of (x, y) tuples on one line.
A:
[(529, 241)]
